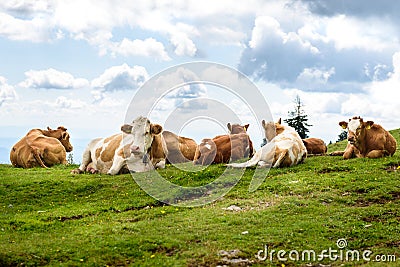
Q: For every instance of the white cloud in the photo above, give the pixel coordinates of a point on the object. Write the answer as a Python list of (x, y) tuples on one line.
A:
[(27, 7), (117, 78), (371, 34), (383, 96), (314, 79), (148, 47), (7, 92), (183, 45), (67, 103), (36, 29), (52, 79), (268, 29)]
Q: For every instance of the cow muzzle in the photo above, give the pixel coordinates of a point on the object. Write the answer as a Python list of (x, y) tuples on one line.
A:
[(351, 139), (135, 149)]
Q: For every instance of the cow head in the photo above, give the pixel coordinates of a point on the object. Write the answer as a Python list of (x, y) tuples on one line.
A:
[(143, 133), (356, 129), (62, 136), (272, 129), (237, 129)]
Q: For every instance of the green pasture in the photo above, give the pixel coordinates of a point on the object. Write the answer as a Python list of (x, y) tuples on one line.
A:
[(51, 217)]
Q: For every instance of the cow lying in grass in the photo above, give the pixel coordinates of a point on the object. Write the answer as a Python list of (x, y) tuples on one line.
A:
[(142, 146), (315, 146), (41, 148), (225, 148), (284, 148), (366, 140), (118, 153)]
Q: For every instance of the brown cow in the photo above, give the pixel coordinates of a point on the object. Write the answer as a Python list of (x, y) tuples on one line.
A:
[(179, 149), (315, 146), (43, 148), (366, 140), (225, 148)]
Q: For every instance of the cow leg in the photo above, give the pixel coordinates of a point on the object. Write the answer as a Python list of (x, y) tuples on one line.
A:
[(160, 165), (236, 154), (117, 165), (376, 154), (208, 158), (349, 152), (86, 160)]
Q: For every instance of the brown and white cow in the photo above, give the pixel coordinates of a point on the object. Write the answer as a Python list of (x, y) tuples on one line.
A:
[(315, 146), (132, 149), (43, 148), (225, 148), (366, 140), (142, 146), (283, 150)]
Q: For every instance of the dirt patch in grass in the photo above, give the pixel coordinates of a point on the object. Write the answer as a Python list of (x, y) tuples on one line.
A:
[(362, 202), (81, 216), (334, 169), (381, 217)]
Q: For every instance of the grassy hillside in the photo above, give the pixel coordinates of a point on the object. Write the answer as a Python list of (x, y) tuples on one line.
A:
[(50, 217)]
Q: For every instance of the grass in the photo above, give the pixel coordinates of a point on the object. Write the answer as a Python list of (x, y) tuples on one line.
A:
[(50, 217)]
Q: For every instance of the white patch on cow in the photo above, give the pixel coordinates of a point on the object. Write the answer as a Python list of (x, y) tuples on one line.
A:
[(142, 137), (118, 163), (353, 125), (208, 146)]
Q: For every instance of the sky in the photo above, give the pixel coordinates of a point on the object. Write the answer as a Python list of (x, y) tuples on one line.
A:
[(79, 63)]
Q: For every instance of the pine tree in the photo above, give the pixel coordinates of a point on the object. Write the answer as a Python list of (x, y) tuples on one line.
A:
[(298, 119), (70, 158), (342, 136)]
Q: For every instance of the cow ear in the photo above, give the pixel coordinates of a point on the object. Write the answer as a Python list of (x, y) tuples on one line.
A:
[(343, 124), (246, 127), (48, 128), (126, 128), (263, 123), (64, 135), (229, 127), (155, 129), (368, 124)]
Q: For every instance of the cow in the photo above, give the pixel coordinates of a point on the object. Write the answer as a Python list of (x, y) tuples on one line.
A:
[(284, 148), (225, 148), (129, 150), (178, 149), (41, 148), (315, 146), (237, 128), (140, 147), (366, 140)]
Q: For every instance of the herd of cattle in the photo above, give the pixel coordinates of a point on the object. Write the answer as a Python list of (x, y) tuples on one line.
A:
[(142, 146)]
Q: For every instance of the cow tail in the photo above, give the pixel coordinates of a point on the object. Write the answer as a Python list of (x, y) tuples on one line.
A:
[(251, 162), (38, 158)]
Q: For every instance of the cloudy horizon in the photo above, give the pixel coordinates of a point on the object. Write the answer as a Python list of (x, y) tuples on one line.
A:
[(79, 63)]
